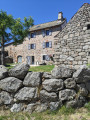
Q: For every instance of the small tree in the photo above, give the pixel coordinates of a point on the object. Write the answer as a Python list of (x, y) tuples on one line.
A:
[(12, 29)]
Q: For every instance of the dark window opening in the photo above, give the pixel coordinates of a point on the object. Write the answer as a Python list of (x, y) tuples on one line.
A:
[(32, 59), (47, 44), (32, 46), (88, 27), (47, 32), (88, 53), (44, 57), (32, 35)]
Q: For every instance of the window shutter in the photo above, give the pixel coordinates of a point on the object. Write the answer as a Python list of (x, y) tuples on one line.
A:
[(50, 44), (34, 46), (34, 34), (43, 33), (44, 45), (47, 58), (28, 60), (50, 32), (29, 46), (29, 36)]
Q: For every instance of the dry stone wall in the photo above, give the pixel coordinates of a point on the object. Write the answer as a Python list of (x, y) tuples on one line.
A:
[(72, 44), (21, 90)]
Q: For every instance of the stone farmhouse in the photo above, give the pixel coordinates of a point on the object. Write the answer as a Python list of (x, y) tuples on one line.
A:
[(38, 47), (72, 45)]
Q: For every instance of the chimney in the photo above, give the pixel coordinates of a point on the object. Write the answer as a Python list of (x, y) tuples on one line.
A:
[(60, 16)]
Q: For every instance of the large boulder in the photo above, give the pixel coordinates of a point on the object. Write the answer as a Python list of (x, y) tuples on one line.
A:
[(82, 74), (19, 71), (72, 104), (62, 72), (27, 94), (82, 90), (53, 85), (70, 83), (3, 72), (16, 107), (55, 105), (67, 94), (10, 84), (88, 86), (47, 97), (33, 79), (5, 98), (47, 75), (36, 107)]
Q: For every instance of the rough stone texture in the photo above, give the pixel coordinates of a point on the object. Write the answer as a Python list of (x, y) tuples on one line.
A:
[(27, 94), (72, 44), (82, 89), (82, 74), (47, 75), (53, 85), (19, 71), (70, 83), (5, 98), (62, 72), (88, 86), (72, 104), (67, 94), (3, 72), (36, 107), (10, 84), (47, 97), (16, 107), (55, 105), (33, 79)]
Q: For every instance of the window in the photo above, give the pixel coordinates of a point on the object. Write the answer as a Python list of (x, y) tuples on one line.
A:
[(47, 32), (47, 44), (31, 46), (46, 57), (88, 27), (30, 60)]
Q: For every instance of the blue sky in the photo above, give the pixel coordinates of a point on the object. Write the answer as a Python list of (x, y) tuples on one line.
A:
[(41, 10)]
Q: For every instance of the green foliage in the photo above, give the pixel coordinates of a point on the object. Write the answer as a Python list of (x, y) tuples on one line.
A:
[(87, 106), (3, 118), (66, 111)]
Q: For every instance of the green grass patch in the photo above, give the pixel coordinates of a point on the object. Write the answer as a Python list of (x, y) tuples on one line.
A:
[(42, 68), (87, 106)]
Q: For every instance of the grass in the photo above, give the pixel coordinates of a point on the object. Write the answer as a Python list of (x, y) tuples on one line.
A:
[(62, 114), (42, 68)]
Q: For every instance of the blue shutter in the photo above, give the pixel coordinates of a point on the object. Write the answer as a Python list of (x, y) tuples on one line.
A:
[(29, 36), (44, 45), (47, 57), (50, 44), (43, 33), (29, 46), (50, 32), (34, 46), (34, 34)]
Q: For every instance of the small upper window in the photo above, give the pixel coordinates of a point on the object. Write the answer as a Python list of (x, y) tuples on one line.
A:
[(47, 44), (47, 32), (33, 35), (88, 27), (32, 46)]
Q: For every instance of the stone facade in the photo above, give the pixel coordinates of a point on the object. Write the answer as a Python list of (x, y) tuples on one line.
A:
[(72, 45), (36, 54)]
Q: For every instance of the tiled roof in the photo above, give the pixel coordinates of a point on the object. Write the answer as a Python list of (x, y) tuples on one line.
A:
[(47, 25)]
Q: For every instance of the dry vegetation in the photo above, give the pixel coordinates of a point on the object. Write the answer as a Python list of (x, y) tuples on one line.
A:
[(61, 114)]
